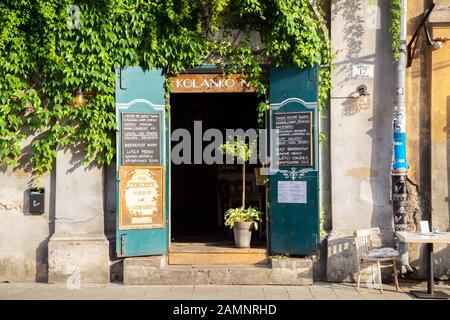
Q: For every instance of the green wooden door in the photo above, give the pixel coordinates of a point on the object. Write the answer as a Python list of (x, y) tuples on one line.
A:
[(141, 92), (293, 189)]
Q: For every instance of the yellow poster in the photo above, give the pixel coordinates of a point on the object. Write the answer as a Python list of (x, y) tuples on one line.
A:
[(141, 197)]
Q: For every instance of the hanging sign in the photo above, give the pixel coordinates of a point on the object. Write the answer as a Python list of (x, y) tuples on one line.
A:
[(140, 138), (141, 197), (295, 138), (209, 83)]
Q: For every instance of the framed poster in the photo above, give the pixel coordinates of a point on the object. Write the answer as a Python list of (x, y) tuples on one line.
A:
[(141, 197)]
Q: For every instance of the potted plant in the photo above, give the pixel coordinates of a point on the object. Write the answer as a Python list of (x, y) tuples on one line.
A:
[(241, 219)]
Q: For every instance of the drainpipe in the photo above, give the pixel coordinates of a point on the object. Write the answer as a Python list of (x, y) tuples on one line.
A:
[(400, 165)]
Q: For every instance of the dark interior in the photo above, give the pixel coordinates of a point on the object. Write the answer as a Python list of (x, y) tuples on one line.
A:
[(201, 193)]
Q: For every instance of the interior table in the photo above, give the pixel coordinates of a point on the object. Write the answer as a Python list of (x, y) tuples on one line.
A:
[(429, 238)]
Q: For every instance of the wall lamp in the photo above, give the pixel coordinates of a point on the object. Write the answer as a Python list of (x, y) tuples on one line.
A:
[(79, 99), (364, 97), (439, 43)]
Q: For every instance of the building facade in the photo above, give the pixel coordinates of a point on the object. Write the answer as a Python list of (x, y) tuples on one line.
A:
[(360, 165), (78, 234)]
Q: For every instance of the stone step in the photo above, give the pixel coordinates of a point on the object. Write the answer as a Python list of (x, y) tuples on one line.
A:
[(154, 271), (215, 254)]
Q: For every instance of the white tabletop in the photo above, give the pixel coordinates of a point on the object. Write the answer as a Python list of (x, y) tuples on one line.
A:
[(409, 236)]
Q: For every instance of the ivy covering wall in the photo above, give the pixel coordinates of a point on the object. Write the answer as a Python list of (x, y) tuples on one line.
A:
[(51, 48)]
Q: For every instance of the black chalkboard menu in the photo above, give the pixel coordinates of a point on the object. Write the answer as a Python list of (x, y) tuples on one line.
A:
[(295, 138), (140, 138)]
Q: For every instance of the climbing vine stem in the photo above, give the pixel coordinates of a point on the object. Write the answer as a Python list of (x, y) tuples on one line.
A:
[(396, 12), (49, 49)]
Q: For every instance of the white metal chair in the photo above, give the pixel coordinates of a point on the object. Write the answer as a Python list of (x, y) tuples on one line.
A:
[(366, 252)]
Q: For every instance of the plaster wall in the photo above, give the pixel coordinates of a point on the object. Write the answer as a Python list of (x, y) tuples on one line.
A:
[(440, 137), (361, 138), (23, 236)]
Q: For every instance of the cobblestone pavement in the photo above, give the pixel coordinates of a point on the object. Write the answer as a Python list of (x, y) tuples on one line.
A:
[(318, 291)]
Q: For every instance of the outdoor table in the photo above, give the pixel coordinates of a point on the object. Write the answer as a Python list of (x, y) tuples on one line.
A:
[(429, 238)]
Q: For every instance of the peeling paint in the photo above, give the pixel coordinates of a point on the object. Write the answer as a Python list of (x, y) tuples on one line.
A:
[(10, 205), (361, 173)]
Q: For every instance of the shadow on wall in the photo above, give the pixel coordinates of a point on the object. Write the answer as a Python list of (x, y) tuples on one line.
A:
[(342, 259), (116, 264), (425, 122), (24, 163), (422, 49), (353, 32), (351, 105), (381, 132), (42, 248), (441, 261), (78, 155), (447, 128), (351, 10)]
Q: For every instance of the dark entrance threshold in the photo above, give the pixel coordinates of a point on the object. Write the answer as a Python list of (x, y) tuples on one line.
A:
[(201, 193)]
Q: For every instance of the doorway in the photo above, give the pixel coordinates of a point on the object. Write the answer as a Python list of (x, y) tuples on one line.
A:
[(201, 193)]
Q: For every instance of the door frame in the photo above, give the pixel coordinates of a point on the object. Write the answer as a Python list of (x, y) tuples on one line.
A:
[(209, 70), (149, 84)]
